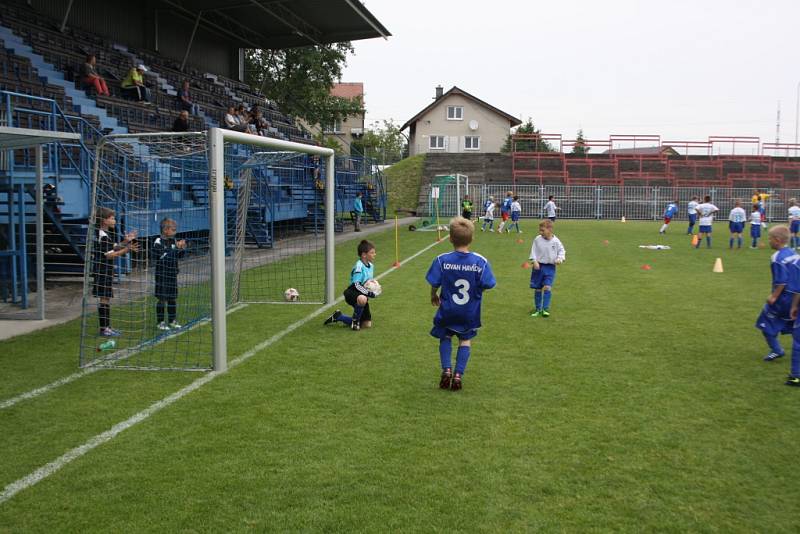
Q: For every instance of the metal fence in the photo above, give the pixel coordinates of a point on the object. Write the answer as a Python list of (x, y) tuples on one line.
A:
[(608, 202)]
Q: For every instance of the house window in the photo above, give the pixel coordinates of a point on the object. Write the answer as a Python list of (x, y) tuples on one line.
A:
[(455, 113), (436, 142), (472, 142), (336, 127)]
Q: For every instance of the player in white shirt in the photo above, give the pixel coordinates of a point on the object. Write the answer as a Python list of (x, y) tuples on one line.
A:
[(755, 225), (736, 221), (516, 211), (550, 209), (706, 211), (546, 252), (692, 211), (794, 223), (488, 217)]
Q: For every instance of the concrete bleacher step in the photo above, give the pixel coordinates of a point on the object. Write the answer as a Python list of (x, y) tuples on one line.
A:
[(49, 75)]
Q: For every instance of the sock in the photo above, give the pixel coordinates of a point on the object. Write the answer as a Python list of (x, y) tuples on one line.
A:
[(795, 368), (346, 319), (708, 241), (547, 295), (172, 310), (754, 243), (445, 350), (663, 227), (537, 299), (730, 243), (160, 311), (773, 343), (357, 311), (104, 310), (462, 357), (739, 242)]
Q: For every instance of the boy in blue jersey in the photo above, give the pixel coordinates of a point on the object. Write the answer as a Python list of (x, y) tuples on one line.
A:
[(356, 295), (669, 213), (457, 281), (516, 212), (505, 210), (736, 220), (775, 318), (546, 252)]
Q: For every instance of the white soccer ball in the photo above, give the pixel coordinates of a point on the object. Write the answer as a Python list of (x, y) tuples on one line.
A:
[(291, 295), (374, 286)]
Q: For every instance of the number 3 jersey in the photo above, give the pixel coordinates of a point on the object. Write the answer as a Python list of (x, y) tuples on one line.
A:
[(462, 277)]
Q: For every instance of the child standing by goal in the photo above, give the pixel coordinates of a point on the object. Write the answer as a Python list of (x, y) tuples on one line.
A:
[(457, 281), (103, 254), (356, 295), (166, 252), (546, 252), (775, 319)]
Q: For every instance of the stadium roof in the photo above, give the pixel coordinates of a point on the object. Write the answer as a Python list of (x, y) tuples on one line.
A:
[(282, 23)]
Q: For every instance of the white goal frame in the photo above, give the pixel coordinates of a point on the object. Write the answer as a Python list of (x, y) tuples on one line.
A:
[(217, 137)]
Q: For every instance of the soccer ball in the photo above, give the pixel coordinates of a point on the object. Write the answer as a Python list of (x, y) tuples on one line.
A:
[(291, 295), (373, 286)]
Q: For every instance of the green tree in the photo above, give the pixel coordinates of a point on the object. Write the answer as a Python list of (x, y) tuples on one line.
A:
[(538, 145), (299, 81), (580, 144), (385, 144)]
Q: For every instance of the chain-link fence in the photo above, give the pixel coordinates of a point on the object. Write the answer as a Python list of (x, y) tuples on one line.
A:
[(609, 202)]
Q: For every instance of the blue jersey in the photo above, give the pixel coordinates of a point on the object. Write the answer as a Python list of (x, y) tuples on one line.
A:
[(672, 209), (462, 276), (358, 206), (361, 273), (506, 207), (785, 272)]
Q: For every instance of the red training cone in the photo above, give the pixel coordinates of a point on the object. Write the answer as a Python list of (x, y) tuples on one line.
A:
[(526, 265), (646, 267)]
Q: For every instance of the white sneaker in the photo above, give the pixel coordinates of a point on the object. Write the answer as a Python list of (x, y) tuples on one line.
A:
[(491, 229), (174, 325), (163, 326)]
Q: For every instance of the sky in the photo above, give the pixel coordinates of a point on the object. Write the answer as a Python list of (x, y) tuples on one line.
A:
[(683, 70)]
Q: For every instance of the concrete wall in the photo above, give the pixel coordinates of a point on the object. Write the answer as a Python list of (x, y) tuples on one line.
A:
[(492, 168), (492, 128)]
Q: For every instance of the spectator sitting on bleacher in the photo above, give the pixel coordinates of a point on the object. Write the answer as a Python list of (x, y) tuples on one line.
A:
[(133, 86), (232, 120), (260, 123), (90, 78), (181, 123), (245, 120), (185, 99)]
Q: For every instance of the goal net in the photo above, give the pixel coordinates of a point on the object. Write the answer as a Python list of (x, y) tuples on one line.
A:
[(187, 227)]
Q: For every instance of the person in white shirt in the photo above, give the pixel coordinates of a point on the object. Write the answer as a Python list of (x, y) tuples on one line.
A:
[(550, 209), (736, 221), (516, 211), (755, 225), (706, 210), (546, 252), (488, 218), (692, 211), (794, 223)]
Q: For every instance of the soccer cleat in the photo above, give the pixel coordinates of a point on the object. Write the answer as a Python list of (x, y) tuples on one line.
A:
[(163, 326), (545, 313), (110, 332), (333, 318), (793, 381), (455, 384), (444, 381), (174, 325), (355, 325), (772, 356), (536, 313)]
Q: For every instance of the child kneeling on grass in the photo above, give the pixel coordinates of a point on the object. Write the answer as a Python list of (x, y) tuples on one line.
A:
[(546, 252), (356, 294), (457, 281)]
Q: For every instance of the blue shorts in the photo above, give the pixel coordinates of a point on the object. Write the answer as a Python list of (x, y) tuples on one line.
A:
[(705, 229), (544, 276), (772, 323), (736, 227), (794, 227), (515, 216), (755, 230), (440, 332), (692, 218)]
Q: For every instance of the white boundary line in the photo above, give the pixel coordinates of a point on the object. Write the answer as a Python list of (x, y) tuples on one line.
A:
[(94, 368), (45, 471)]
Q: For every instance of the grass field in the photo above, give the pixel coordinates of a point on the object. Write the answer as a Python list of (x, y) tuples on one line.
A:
[(641, 404)]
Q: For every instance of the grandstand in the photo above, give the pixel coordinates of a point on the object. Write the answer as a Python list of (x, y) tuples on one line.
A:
[(42, 48)]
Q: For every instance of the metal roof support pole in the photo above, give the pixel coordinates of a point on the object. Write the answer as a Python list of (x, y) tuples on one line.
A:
[(191, 39), (39, 233), (66, 16)]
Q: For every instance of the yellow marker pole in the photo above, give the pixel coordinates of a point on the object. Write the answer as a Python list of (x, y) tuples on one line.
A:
[(396, 243)]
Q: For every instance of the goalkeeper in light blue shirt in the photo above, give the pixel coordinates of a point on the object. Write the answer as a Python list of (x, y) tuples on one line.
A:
[(669, 213), (356, 294)]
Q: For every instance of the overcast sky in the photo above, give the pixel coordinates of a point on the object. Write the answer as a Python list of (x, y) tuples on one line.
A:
[(682, 69)]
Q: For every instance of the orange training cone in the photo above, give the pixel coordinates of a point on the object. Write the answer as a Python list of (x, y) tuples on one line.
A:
[(695, 240), (646, 267), (718, 266), (526, 265)]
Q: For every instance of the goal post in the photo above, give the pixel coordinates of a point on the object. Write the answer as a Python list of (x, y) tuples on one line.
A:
[(216, 163), (221, 219)]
